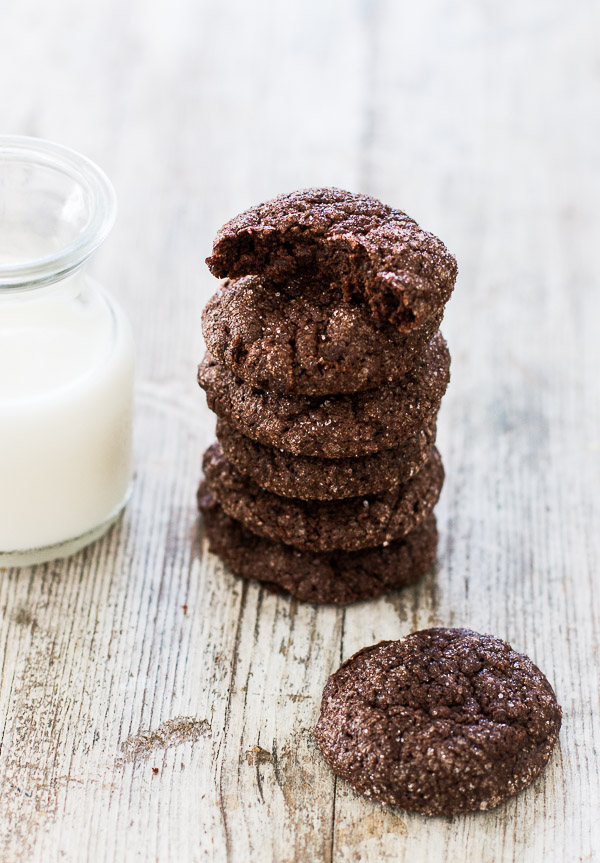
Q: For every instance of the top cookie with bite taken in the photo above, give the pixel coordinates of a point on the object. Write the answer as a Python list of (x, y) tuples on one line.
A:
[(350, 241)]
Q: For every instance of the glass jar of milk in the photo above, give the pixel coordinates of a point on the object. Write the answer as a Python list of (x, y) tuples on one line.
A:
[(66, 358)]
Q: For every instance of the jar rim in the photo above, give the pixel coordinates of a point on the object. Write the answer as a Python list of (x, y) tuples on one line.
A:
[(94, 183)]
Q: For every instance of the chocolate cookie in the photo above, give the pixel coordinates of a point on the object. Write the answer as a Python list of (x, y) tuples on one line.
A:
[(337, 426), (338, 576), (350, 524), (325, 478), (353, 242), (306, 338), (444, 721)]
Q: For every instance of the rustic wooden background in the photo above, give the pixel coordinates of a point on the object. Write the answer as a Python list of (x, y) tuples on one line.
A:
[(152, 707)]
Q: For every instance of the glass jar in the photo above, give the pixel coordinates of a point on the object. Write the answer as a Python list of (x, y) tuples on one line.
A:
[(66, 358)]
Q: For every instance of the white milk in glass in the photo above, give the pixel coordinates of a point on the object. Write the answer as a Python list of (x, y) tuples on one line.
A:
[(66, 361), (66, 377)]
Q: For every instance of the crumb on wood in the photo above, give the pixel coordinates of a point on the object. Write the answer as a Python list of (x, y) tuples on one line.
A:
[(184, 608), (257, 755), (155, 771)]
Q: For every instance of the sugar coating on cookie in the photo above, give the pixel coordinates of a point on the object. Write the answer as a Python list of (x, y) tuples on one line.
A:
[(322, 478), (351, 241), (336, 426), (349, 524), (338, 577), (442, 722), (306, 338)]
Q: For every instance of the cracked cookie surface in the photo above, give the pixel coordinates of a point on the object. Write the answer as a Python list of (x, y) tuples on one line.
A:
[(306, 338), (339, 426), (325, 478), (349, 524), (350, 241), (338, 577), (444, 721)]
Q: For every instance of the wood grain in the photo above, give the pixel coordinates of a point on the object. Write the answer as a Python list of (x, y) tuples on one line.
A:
[(152, 707)]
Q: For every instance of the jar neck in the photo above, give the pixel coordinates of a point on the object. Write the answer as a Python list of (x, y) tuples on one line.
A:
[(57, 207)]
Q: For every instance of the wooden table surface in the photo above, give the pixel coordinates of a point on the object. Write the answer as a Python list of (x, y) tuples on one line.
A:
[(153, 707)]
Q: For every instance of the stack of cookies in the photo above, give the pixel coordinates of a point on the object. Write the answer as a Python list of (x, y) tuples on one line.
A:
[(326, 371)]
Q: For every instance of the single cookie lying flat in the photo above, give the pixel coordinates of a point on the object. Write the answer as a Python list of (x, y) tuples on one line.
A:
[(350, 524), (332, 577), (350, 241), (336, 426), (325, 478), (442, 722), (305, 338)]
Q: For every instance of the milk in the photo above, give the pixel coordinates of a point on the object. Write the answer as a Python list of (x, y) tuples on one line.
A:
[(66, 357), (66, 389)]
